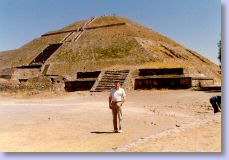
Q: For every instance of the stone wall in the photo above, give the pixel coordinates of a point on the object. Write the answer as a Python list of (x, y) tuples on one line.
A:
[(79, 85), (93, 74), (202, 82), (161, 83), (161, 71), (6, 73), (26, 73)]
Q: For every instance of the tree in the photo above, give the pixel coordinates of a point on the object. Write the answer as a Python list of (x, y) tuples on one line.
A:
[(219, 51)]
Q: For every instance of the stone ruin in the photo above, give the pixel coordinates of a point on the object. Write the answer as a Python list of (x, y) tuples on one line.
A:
[(98, 81)]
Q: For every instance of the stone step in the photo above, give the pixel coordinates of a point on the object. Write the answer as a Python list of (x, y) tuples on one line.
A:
[(107, 83), (114, 76), (126, 71), (116, 73), (108, 78), (112, 79), (104, 87)]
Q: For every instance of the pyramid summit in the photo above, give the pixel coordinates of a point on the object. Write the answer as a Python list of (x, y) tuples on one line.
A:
[(105, 43)]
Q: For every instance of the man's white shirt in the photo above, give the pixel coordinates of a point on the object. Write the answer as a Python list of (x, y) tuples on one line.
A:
[(117, 94)]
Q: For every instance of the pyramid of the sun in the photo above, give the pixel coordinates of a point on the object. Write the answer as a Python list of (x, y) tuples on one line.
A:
[(99, 44)]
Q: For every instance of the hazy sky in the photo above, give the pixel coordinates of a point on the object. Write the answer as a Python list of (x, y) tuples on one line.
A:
[(196, 24)]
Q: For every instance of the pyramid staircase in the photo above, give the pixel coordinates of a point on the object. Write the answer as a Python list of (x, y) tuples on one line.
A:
[(39, 61), (106, 80), (75, 35)]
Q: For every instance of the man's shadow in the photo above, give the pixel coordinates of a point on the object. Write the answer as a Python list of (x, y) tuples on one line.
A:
[(97, 132)]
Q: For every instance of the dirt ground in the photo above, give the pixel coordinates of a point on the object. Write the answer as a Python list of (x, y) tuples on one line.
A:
[(154, 121)]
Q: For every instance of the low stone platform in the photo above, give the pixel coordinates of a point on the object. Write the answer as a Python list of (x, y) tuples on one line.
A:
[(163, 83), (79, 85)]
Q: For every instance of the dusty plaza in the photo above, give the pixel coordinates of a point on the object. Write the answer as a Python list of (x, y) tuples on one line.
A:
[(154, 121)]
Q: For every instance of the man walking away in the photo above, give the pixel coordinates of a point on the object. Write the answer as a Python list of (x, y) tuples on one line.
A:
[(216, 103), (116, 99)]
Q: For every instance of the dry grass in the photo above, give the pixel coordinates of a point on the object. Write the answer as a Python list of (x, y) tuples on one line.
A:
[(164, 65), (104, 20)]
